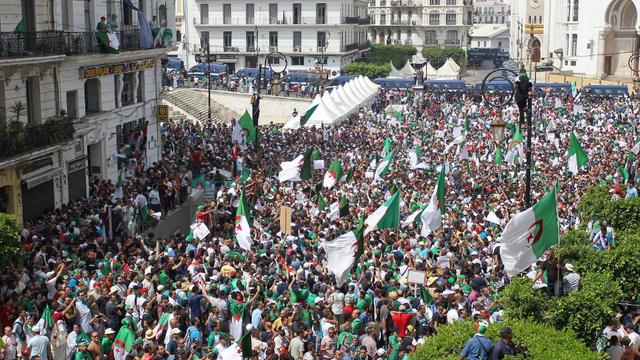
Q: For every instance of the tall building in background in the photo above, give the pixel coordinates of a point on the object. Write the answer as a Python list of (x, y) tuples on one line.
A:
[(492, 12), (592, 38), (241, 34), (420, 22), (77, 103)]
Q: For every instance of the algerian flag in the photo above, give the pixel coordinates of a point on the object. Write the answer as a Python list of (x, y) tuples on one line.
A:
[(163, 323), (307, 115), (306, 172), (414, 158), (624, 173), (247, 124), (109, 42), (498, 156), (516, 149), (245, 176), (163, 37), (242, 230), (46, 320), (343, 252), (577, 157), (291, 169), (387, 147), (414, 216), (386, 216), (19, 26), (349, 176), (119, 193), (551, 126), (239, 350), (322, 203), (493, 218), (529, 234), (636, 148), (124, 341), (431, 217), (344, 206), (383, 167), (333, 174)]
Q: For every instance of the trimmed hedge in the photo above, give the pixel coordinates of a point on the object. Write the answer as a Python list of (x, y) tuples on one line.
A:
[(531, 339)]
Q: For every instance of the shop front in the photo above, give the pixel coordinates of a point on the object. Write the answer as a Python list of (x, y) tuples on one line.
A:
[(77, 178)]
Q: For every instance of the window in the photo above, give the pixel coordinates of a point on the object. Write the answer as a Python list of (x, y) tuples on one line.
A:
[(297, 13), (499, 44), (451, 2), (273, 13), (226, 40), (33, 100), (297, 60), (249, 10), (434, 2), (204, 39), (575, 9), (573, 63), (383, 19), (251, 39), (491, 11), (140, 93), (321, 38), (431, 37), (3, 109), (128, 83), (226, 14), (452, 37), (574, 44), (178, 36), (434, 18), (568, 10), (297, 41), (204, 14), (451, 19), (530, 19), (273, 40), (127, 15), (484, 43), (541, 19), (321, 13), (566, 44)]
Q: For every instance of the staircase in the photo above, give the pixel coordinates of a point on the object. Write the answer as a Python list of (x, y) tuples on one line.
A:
[(194, 103)]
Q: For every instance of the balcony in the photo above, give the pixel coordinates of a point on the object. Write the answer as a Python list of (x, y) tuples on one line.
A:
[(364, 46), (275, 21), (13, 45), (403, 22), (230, 49), (430, 42), (251, 48), (351, 47), (452, 42), (357, 20), (273, 48), (297, 48), (402, 3), (17, 139)]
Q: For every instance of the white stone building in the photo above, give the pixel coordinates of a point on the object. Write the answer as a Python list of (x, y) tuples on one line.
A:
[(527, 19), (596, 37), (420, 22), (489, 36), (491, 12), (80, 103), (242, 33)]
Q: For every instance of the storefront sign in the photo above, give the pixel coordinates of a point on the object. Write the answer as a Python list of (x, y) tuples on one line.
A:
[(76, 164), (37, 164), (31, 183), (227, 56), (113, 69)]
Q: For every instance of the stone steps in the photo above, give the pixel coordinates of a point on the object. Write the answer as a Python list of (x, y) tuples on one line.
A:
[(194, 103)]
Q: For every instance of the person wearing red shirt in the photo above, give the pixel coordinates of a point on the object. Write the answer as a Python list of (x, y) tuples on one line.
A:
[(196, 160), (401, 320)]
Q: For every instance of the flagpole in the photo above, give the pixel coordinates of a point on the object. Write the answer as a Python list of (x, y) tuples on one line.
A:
[(555, 193)]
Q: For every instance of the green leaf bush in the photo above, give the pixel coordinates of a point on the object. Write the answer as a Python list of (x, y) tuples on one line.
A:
[(397, 54), (521, 301), (372, 71), (532, 340)]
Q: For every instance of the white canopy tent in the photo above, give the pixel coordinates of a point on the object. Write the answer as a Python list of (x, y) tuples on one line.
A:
[(447, 72), (407, 69), (341, 105), (429, 72), (348, 94), (453, 64)]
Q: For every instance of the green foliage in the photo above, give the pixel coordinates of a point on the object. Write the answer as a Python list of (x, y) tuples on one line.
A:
[(10, 249), (521, 301), (18, 109), (398, 54), (531, 339), (439, 55), (622, 214), (622, 261), (372, 71), (586, 311), (594, 202)]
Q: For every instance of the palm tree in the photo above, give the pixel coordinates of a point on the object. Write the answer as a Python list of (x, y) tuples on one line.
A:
[(18, 109)]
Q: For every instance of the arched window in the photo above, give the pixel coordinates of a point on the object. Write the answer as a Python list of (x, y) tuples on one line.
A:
[(576, 4), (163, 16)]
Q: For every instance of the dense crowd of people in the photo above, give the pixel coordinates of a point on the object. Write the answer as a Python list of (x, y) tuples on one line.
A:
[(184, 297)]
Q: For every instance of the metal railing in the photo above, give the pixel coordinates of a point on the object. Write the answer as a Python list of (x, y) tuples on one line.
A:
[(350, 47), (231, 49), (17, 139), (61, 43), (365, 45), (403, 22), (280, 20), (430, 41), (452, 42)]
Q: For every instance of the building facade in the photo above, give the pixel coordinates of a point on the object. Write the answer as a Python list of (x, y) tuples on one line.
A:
[(593, 38), (492, 12), (490, 36), (241, 34), (526, 29), (72, 105), (420, 22)]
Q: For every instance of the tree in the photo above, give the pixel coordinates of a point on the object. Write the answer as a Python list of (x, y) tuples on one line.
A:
[(18, 109), (10, 249), (437, 56), (372, 71), (521, 301), (397, 54), (531, 339)]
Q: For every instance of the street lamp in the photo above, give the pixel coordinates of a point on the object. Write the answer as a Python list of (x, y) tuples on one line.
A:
[(278, 65), (204, 43), (500, 101)]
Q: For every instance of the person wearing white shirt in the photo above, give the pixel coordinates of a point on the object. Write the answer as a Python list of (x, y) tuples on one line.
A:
[(140, 200), (633, 336), (154, 199)]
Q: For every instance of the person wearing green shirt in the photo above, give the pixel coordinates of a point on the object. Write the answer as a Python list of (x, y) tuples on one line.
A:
[(82, 353), (345, 339), (394, 344), (356, 323), (107, 341)]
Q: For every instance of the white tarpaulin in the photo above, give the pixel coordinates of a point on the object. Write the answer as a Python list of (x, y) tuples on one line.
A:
[(447, 71), (407, 69), (453, 64), (395, 73), (429, 72)]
